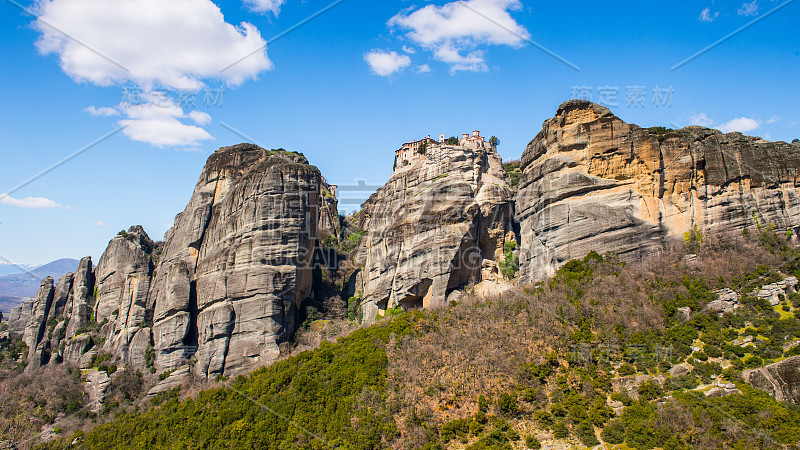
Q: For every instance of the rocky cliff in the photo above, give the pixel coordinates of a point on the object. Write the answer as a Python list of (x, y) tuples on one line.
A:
[(221, 293), (237, 263), (226, 288), (780, 380), (593, 182), (438, 224)]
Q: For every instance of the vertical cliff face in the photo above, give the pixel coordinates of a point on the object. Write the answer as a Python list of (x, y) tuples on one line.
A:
[(34, 335), (82, 302), (223, 290), (592, 182), (237, 263), (123, 277), (438, 224), (56, 316)]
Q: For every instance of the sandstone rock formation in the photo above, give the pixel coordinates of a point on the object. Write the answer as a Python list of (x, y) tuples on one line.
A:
[(123, 278), (439, 223), (727, 300), (221, 294), (82, 302), (19, 317), (37, 326), (593, 182), (237, 263), (780, 380), (96, 386), (773, 292)]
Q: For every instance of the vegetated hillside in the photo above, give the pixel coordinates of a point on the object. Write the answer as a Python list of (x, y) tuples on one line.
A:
[(599, 353)]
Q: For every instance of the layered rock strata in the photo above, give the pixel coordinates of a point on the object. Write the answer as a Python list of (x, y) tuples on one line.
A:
[(221, 294), (780, 380), (593, 182), (237, 263)]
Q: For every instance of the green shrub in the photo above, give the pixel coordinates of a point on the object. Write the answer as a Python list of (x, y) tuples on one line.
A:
[(560, 430), (455, 428), (626, 369), (532, 442), (507, 404), (614, 432), (483, 404), (650, 390), (585, 432), (510, 265)]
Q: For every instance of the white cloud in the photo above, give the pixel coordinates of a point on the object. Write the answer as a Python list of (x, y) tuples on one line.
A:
[(409, 50), (423, 68), (199, 117), (100, 223), (701, 119), (749, 9), (175, 43), (263, 6), (28, 202), (706, 16), (102, 111), (774, 119), (156, 122), (453, 32), (740, 124), (386, 63)]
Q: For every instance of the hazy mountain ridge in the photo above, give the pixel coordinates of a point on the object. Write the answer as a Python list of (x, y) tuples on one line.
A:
[(16, 286)]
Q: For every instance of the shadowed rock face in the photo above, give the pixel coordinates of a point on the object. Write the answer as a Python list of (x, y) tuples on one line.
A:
[(436, 225), (82, 302), (593, 182), (237, 263), (35, 331), (780, 380)]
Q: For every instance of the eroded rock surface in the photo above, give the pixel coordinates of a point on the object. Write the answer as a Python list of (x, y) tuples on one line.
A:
[(593, 182), (123, 275), (439, 223), (780, 380), (19, 317), (237, 263)]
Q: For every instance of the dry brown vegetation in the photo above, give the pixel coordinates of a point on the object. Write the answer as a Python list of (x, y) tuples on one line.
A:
[(483, 347)]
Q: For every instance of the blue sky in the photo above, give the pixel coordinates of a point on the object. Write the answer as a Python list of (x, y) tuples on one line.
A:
[(346, 89)]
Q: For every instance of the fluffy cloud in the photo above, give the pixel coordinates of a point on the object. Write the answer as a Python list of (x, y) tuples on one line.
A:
[(199, 117), (100, 223), (740, 124), (774, 119), (706, 16), (102, 111), (157, 122), (264, 6), (453, 32), (701, 119), (28, 202), (174, 43), (749, 9), (423, 68), (386, 63)]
